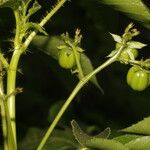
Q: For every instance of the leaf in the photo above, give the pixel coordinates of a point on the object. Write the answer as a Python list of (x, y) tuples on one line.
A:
[(126, 138), (33, 133), (142, 143), (9, 3), (96, 142), (61, 140), (36, 26), (135, 44), (116, 37), (49, 45), (82, 137), (87, 68), (135, 9), (105, 144), (142, 127)]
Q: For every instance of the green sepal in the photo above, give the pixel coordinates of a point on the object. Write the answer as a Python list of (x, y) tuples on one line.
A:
[(116, 37), (113, 52), (135, 44), (35, 7)]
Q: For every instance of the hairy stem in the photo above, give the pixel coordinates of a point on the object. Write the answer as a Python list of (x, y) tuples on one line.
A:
[(19, 48), (81, 83), (11, 74), (43, 22), (11, 86)]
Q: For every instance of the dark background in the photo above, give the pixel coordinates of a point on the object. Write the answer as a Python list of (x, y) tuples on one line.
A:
[(46, 84)]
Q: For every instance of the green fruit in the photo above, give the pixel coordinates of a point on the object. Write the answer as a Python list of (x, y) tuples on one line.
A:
[(66, 59), (138, 79), (127, 51)]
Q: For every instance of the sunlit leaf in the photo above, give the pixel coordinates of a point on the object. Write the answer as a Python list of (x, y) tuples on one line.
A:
[(126, 138), (142, 127), (142, 143), (105, 144)]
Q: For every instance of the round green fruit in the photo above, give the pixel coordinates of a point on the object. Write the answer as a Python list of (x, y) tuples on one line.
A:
[(66, 59), (125, 54), (138, 79)]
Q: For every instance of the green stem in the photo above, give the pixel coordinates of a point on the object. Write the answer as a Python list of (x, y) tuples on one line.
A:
[(43, 22), (4, 128), (81, 83), (3, 115), (11, 74), (17, 40), (11, 86)]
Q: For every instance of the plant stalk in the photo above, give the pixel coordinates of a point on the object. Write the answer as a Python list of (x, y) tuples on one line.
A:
[(78, 87), (11, 86), (3, 115)]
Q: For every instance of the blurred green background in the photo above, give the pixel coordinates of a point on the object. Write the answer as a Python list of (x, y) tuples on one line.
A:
[(46, 85)]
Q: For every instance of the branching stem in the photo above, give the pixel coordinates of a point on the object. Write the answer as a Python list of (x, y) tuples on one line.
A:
[(81, 83)]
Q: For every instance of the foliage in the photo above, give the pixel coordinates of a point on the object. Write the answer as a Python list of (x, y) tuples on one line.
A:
[(136, 9), (44, 99)]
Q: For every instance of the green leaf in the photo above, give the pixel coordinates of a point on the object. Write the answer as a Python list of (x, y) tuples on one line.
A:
[(87, 68), (105, 144), (61, 140), (126, 138), (36, 134), (135, 9), (142, 127), (49, 45), (142, 143), (82, 137), (9, 3)]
